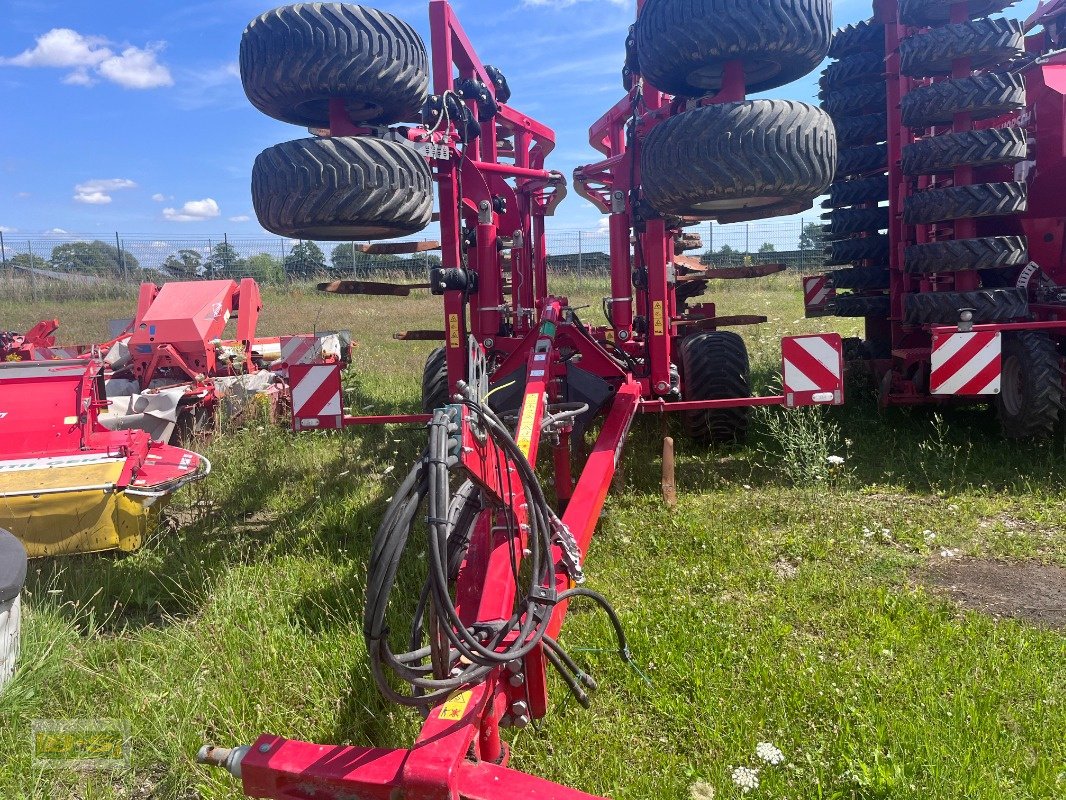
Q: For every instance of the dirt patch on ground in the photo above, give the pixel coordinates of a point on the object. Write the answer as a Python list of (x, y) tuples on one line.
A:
[(1030, 592)]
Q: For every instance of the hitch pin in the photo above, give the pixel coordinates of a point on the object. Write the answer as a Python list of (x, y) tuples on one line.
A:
[(229, 758)]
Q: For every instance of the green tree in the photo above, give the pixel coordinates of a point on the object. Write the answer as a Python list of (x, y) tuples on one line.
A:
[(26, 261), (267, 268), (811, 236), (224, 261), (768, 247), (184, 264), (305, 260), (92, 257)]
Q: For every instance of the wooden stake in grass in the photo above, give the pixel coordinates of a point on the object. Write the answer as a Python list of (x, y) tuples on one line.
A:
[(669, 486)]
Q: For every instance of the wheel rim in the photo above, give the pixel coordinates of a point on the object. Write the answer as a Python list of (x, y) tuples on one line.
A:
[(1010, 392)]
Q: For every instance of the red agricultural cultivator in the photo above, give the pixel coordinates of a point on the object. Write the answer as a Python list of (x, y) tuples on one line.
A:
[(520, 371), (170, 368), (957, 120)]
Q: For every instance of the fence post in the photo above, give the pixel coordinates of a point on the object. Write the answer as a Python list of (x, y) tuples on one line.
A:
[(121, 258), (747, 238), (33, 274), (580, 255), (710, 236)]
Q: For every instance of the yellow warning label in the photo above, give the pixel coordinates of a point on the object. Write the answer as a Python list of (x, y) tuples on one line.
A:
[(525, 430), (658, 321), (453, 330), (456, 705), (610, 336)]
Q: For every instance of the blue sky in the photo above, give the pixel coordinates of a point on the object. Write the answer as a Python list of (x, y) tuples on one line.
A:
[(131, 117)]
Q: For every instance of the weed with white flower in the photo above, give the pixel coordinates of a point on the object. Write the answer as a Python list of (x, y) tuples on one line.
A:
[(745, 779)]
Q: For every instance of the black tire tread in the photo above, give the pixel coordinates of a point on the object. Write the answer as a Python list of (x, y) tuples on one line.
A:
[(787, 150), (990, 252), (860, 305), (342, 189), (849, 251), (857, 191), (986, 42), (860, 160), (923, 13), (293, 59), (715, 366), (989, 305), (965, 202), (435, 381), (779, 41), (860, 279), (852, 100), (983, 96), (969, 148), (865, 129), (844, 221), (859, 68), (1042, 390), (861, 37)]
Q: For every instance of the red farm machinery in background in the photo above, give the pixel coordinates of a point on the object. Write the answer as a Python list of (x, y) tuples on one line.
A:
[(168, 369), (520, 372), (951, 126)]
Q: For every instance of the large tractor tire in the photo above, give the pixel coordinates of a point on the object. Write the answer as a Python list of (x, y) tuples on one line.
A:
[(870, 248), (714, 366), (982, 96), (990, 252), (294, 59), (435, 381), (1030, 400), (342, 189), (965, 202), (756, 156), (862, 37), (858, 191), (924, 13), (683, 45), (986, 42), (861, 130), (858, 305), (966, 149), (989, 305)]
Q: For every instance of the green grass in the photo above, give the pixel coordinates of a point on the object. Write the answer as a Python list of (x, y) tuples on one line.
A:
[(780, 601)]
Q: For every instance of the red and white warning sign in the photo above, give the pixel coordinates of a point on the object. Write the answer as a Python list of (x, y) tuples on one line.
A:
[(816, 294), (967, 363), (316, 396), (812, 370)]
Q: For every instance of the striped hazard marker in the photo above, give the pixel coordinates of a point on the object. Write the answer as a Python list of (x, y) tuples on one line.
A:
[(968, 363), (816, 293), (316, 396), (812, 370)]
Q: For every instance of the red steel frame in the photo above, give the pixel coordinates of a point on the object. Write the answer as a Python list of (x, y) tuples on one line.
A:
[(531, 338), (903, 375)]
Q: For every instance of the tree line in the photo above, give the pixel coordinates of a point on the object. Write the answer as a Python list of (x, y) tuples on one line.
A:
[(304, 260)]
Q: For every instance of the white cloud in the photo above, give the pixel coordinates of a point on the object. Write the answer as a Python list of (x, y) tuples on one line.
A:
[(5, 229), (137, 69), (62, 47), (159, 197), (55, 232), (98, 192), (90, 58), (193, 211), (240, 218), (217, 86)]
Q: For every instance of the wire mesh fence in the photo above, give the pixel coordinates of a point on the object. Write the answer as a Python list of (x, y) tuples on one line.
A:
[(27, 262)]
